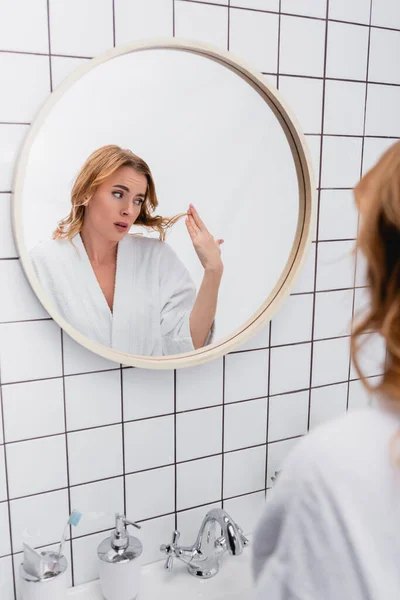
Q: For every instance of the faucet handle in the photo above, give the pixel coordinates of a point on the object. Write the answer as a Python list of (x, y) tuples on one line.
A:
[(244, 539), (169, 550)]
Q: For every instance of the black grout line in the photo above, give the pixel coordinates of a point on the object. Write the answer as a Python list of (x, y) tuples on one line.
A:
[(278, 58), (268, 399), (49, 42), (175, 455), (173, 18), (228, 43), (121, 379), (113, 25), (223, 431)]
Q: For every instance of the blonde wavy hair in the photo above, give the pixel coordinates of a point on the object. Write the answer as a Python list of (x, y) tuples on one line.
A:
[(102, 163), (378, 197)]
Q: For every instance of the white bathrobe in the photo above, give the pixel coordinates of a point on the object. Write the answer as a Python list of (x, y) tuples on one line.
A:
[(153, 298)]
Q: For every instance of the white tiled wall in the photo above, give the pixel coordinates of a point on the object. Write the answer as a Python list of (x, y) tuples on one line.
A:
[(80, 431)]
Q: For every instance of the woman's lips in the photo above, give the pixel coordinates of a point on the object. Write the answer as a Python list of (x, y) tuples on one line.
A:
[(121, 227)]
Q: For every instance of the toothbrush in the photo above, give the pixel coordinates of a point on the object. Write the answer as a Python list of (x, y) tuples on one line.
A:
[(74, 519)]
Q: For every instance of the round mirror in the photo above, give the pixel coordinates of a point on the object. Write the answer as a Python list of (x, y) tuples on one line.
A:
[(163, 203)]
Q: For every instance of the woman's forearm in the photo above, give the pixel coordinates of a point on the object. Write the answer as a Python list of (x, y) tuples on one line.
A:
[(205, 306)]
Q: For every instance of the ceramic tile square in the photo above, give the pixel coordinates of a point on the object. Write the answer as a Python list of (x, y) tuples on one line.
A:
[(142, 19), (290, 368), (198, 433), (362, 303), (147, 393), (79, 360), (271, 79), (344, 108), (18, 73), (361, 270), (302, 46), (93, 400), (85, 557), (304, 97), (335, 268), (288, 416), (314, 147), (347, 51), (333, 312), (244, 471), (246, 510), (327, 403), (189, 522), (11, 138), (386, 13), (30, 350), (41, 403), (36, 519), (98, 502), (308, 8), (272, 5), (383, 116), (197, 387), (7, 245), (305, 280), (6, 579), (81, 27), (371, 356), (150, 493), (373, 150), (5, 547), (157, 531), (31, 454), (384, 46), (254, 37), (341, 161), (338, 215), (202, 22), (237, 434), (359, 396), (331, 360), (3, 484), (246, 375), (1, 424), (356, 11), (140, 450), (258, 341), (293, 322), (63, 66), (24, 35), (277, 453), (95, 454), (18, 301), (199, 482)]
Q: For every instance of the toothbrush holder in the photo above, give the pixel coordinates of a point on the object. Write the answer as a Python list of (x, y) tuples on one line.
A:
[(52, 586)]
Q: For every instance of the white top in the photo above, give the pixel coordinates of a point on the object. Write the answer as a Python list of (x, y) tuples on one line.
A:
[(153, 297), (331, 527)]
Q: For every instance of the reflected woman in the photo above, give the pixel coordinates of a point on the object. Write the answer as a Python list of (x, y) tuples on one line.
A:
[(127, 292)]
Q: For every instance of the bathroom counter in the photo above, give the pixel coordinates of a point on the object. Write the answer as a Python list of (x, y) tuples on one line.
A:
[(232, 582)]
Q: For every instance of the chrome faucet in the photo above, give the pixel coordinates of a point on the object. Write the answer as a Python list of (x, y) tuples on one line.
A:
[(203, 557)]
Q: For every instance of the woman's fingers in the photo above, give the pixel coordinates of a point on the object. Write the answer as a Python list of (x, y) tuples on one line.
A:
[(193, 212), (193, 223), (190, 229)]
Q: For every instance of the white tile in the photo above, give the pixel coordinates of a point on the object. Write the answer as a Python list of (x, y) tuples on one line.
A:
[(18, 301), (359, 396), (383, 116), (305, 281), (19, 73), (255, 4), (237, 433), (11, 138), (327, 403), (277, 453), (154, 533), (41, 403), (386, 13), (150, 493), (293, 322), (290, 368), (330, 361), (309, 8), (7, 244), (27, 34), (288, 416), (202, 22), (38, 520), (302, 46), (6, 579), (254, 37), (246, 510), (30, 350), (5, 547), (333, 312), (140, 19), (189, 522), (201, 386), (356, 11), (258, 341), (338, 215), (385, 46), (199, 482), (371, 356), (335, 268), (246, 375), (362, 302), (141, 451), (198, 433), (81, 27), (244, 471), (93, 399), (341, 162), (86, 567), (63, 66), (314, 147), (77, 359), (1, 424), (361, 270), (304, 97), (3, 485), (95, 454), (98, 502), (29, 469), (347, 51), (344, 107), (147, 393), (373, 150)]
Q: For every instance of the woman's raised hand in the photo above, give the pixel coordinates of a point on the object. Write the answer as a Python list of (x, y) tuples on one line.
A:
[(207, 248)]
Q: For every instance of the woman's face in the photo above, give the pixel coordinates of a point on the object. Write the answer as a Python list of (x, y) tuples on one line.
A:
[(116, 203)]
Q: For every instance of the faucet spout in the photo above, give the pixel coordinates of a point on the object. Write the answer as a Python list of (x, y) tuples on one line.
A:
[(232, 538)]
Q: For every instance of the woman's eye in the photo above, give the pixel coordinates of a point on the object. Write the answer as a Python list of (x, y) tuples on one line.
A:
[(139, 201), (120, 195)]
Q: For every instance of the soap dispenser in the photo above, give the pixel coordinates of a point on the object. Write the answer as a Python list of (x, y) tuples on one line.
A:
[(119, 561)]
